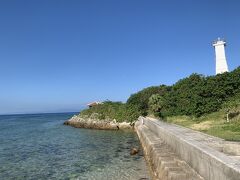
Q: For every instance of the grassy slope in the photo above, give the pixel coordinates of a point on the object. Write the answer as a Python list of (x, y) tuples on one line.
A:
[(214, 124)]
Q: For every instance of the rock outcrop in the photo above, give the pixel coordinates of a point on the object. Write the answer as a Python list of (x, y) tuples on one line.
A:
[(134, 151), (90, 123)]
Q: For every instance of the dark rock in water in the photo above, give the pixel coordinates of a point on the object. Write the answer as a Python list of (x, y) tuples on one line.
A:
[(134, 151), (66, 123)]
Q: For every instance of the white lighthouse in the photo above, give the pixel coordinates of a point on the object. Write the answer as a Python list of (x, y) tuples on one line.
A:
[(221, 62)]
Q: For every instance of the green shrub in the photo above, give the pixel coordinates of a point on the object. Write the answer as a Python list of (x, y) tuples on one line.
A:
[(140, 100), (112, 110), (156, 104)]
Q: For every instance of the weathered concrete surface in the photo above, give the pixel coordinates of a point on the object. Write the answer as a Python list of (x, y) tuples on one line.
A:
[(164, 162), (201, 152)]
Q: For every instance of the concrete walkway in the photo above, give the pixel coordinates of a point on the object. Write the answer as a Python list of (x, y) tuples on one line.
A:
[(176, 152)]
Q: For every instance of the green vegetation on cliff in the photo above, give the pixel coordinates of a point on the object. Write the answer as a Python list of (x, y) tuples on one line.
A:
[(196, 96), (112, 110)]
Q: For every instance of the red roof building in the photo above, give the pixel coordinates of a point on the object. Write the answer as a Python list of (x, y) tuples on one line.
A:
[(93, 104)]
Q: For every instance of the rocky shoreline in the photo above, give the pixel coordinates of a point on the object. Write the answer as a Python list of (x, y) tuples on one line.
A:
[(90, 123)]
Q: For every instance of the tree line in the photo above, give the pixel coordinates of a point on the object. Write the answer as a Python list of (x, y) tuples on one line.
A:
[(195, 95)]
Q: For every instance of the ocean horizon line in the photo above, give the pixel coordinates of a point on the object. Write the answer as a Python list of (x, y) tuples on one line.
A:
[(35, 113)]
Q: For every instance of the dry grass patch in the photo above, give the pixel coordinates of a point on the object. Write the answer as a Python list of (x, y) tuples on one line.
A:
[(202, 126), (213, 124)]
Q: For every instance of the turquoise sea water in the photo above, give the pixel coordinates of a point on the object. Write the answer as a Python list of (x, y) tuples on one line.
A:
[(40, 147)]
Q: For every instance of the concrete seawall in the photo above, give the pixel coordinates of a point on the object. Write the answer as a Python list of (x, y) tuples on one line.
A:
[(175, 152)]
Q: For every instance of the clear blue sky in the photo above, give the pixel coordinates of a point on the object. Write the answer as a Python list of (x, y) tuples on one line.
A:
[(58, 55)]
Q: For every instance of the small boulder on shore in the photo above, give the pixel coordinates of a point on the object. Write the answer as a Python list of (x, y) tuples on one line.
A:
[(134, 151)]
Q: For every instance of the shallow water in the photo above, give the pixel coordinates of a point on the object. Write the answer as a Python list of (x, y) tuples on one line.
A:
[(41, 147)]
